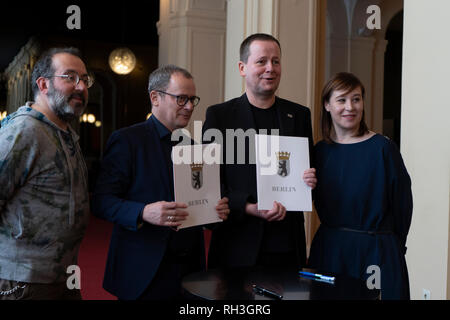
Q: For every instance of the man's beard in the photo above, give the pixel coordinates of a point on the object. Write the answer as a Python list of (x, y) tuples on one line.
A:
[(59, 104)]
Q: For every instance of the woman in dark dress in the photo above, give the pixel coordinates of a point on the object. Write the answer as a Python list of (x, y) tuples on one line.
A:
[(363, 195)]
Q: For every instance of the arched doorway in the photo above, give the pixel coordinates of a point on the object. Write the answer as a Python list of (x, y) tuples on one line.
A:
[(393, 79)]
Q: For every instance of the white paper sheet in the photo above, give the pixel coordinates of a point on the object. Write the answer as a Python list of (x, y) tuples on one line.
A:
[(280, 164), (196, 183)]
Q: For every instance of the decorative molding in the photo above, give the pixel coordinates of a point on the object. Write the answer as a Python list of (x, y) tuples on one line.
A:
[(206, 9), (276, 18), (197, 20), (18, 74), (201, 14), (24, 57), (210, 5), (198, 14), (192, 35), (159, 27), (261, 16)]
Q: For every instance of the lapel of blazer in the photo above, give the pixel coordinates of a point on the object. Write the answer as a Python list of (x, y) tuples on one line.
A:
[(286, 119), (157, 154)]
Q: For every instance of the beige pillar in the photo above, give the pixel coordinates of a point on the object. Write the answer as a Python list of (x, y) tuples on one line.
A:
[(192, 36), (296, 23), (425, 143), (245, 17)]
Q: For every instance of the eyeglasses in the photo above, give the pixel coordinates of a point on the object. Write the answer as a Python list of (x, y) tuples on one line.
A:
[(74, 78), (182, 100)]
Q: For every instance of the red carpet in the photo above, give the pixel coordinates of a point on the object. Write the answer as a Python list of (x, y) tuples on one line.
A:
[(92, 258)]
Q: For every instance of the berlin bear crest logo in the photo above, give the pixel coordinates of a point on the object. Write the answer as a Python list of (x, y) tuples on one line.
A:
[(283, 163), (197, 175)]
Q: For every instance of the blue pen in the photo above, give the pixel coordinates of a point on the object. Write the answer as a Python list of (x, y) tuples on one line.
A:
[(316, 276)]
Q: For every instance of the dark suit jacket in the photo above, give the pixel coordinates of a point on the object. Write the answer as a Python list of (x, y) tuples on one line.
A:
[(236, 242), (134, 173)]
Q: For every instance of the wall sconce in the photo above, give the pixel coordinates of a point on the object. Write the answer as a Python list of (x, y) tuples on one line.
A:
[(90, 118), (122, 61), (3, 115)]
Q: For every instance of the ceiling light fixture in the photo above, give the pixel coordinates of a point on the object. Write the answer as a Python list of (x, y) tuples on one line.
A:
[(122, 61)]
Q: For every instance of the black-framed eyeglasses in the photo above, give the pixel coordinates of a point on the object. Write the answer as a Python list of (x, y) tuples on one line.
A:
[(182, 100), (74, 78)]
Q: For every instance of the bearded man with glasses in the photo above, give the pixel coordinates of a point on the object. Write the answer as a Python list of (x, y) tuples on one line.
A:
[(147, 257), (44, 200)]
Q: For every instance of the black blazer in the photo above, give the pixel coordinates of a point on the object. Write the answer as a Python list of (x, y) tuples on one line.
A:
[(134, 173), (236, 242)]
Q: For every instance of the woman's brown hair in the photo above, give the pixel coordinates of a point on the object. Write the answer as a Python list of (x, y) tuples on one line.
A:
[(340, 81)]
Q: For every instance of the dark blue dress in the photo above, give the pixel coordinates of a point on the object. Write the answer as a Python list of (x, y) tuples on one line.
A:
[(364, 201)]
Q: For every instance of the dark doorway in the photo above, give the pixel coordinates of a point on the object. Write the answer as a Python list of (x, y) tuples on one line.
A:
[(393, 79)]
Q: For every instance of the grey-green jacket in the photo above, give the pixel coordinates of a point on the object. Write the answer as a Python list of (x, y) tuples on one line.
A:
[(44, 200)]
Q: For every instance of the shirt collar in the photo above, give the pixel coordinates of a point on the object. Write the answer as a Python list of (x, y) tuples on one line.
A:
[(162, 130)]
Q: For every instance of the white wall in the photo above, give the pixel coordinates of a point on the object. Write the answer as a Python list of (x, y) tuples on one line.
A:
[(426, 142)]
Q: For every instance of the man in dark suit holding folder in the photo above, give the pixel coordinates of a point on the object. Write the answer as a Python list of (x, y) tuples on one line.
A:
[(252, 237), (147, 257)]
